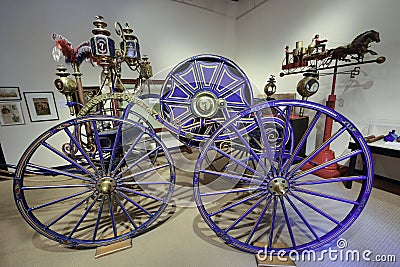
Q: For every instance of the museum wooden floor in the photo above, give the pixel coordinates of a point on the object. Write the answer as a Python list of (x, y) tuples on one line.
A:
[(184, 239)]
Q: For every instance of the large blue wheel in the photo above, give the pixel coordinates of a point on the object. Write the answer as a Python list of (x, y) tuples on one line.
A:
[(196, 91), (276, 198), (90, 195)]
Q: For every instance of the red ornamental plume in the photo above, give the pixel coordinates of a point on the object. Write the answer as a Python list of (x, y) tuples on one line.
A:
[(73, 55), (66, 49)]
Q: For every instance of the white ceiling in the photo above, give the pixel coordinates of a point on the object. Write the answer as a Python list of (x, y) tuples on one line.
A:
[(234, 9)]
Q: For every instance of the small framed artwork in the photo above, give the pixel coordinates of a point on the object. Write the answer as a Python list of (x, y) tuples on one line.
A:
[(9, 93), (11, 114), (41, 106)]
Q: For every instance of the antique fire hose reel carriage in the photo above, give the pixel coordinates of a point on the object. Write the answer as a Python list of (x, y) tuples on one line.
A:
[(108, 182)]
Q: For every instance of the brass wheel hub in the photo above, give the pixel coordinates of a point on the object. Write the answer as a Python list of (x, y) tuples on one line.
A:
[(106, 185), (278, 186), (204, 105)]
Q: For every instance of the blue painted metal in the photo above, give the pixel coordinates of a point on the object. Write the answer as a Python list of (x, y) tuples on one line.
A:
[(75, 194), (214, 74), (264, 211)]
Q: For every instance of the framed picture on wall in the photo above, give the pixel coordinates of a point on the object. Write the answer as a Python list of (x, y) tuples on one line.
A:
[(11, 114), (41, 106), (9, 93)]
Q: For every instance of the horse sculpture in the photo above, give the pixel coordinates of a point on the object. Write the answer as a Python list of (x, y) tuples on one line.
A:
[(357, 48)]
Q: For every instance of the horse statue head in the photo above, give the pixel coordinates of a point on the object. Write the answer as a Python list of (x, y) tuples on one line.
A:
[(366, 38), (358, 47)]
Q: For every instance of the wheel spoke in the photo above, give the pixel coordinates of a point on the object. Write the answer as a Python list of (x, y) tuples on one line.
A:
[(231, 176), (326, 164), (135, 204), (54, 186), (316, 151), (302, 217), (83, 217), (285, 138), (319, 194), (217, 76), (58, 200), (114, 149), (73, 162), (244, 215), (98, 146), (144, 183), (125, 211), (83, 152), (232, 89), (60, 172), (230, 191), (139, 193), (271, 232), (174, 102), (247, 145), (330, 180), (316, 209), (241, 152), (302, 141), (96, 227), (202, 122), (68, 211), (255, 227), (138, 174), (289, 227), (198, 75), (237, 161), (237, 203), (265, 143), (138, 161), (114, 227), (211, 128), (182, 86), (135, 142)]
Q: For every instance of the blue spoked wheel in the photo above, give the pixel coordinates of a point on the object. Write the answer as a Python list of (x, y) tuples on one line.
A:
[(196, 90), (85, 195), (279, 198)]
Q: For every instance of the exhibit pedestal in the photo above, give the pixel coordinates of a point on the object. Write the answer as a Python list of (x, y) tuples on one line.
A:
[(113, 248)]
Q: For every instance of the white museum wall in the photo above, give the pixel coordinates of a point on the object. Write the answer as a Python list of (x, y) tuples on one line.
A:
[(277, 23), (169, 32), (370, 99)]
